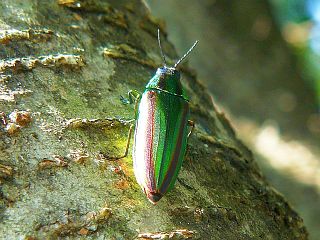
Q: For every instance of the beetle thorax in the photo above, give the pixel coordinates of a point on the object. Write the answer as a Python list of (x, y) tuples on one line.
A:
[(167, 79)]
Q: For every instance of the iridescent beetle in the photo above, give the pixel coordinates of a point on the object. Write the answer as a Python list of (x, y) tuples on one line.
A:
[(161, 130)]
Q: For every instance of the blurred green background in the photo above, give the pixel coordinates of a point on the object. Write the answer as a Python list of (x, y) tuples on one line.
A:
[(261, 62)]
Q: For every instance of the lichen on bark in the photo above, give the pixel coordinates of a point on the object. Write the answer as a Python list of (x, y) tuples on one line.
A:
[(54, 181)]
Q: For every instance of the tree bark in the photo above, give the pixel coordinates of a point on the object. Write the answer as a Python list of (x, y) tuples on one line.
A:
[(64, 65)]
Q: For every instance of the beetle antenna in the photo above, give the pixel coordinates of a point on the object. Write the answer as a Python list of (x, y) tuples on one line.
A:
[(185, 55), (163, 56)]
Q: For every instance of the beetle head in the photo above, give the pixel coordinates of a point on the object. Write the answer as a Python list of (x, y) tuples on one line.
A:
[(167, 79), (167, 73)]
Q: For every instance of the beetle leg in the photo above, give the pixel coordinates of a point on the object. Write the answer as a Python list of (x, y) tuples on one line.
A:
[(127, 148), (133, 95), (191, 124), (128, 141)]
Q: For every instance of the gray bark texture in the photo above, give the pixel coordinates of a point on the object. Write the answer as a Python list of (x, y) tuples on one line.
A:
[(64, 65)]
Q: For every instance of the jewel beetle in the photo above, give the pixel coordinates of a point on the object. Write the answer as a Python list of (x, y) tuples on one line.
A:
[(162, 128)]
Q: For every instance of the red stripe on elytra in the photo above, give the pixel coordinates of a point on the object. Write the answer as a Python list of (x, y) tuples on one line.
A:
[(175, 157), (151, 95)]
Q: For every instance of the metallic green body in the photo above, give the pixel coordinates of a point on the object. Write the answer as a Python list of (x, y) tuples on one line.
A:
[(161, 133)]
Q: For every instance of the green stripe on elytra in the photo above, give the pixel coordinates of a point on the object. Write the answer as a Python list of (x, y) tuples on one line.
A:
[(166, 141), (178, 154)]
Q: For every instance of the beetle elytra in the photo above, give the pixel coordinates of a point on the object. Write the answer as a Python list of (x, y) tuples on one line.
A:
[(162, 128)]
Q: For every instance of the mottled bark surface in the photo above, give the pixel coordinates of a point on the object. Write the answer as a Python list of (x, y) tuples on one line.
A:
[(66, 61)]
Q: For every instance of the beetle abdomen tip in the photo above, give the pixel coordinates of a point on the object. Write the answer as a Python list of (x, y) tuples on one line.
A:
[(154, 197)]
